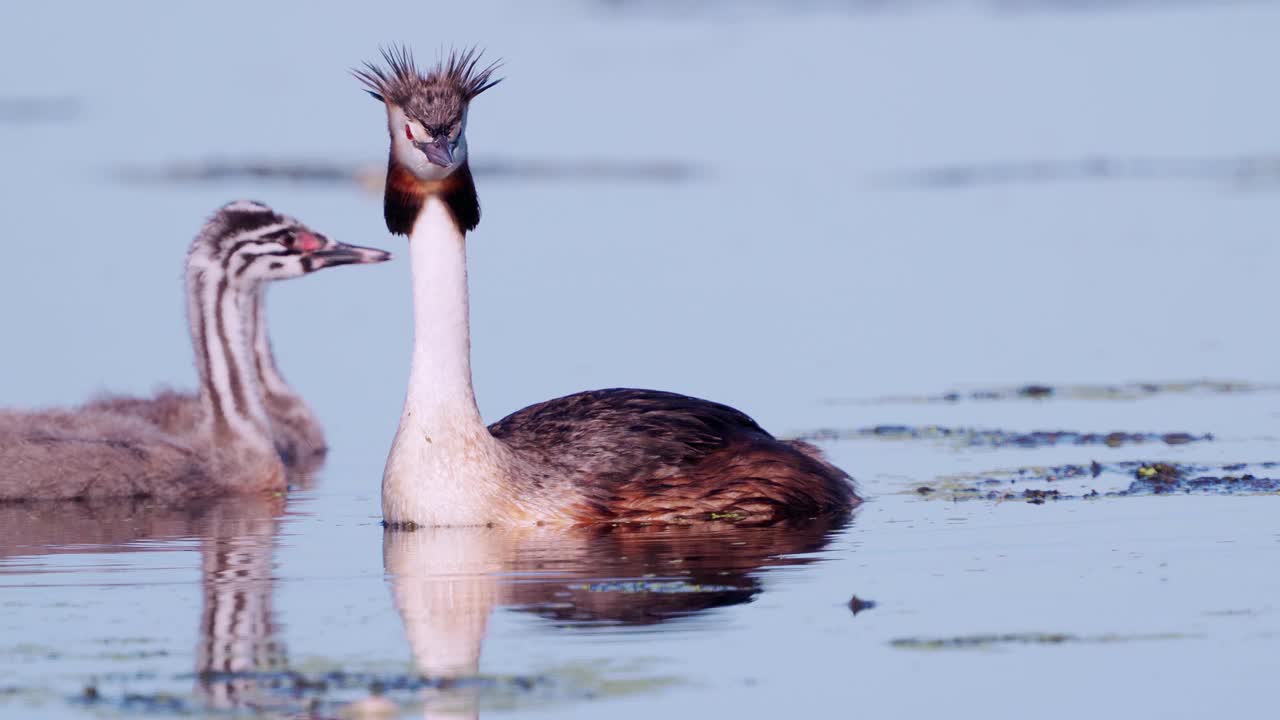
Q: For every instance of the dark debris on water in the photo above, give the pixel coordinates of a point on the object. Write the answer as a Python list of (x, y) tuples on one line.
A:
[(964, 642), (1037, 391), (1144, 478), (291, 691), (857, 604), (343, 680), (978, 438)]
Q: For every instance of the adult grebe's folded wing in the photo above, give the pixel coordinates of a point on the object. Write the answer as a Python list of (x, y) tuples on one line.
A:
[(648, 455)]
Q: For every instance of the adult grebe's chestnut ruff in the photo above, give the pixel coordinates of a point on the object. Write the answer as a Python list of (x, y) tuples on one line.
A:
[(618, 455)]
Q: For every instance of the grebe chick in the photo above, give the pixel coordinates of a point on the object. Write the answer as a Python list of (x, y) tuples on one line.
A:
[(295, 429), (229, 447), (615, 455)]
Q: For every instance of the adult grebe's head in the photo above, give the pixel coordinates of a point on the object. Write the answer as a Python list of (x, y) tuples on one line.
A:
[(247, 243), (427, 122), (427, 112)]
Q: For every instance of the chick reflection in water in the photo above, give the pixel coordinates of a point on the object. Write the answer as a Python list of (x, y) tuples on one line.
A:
[(239, 642), (446, 582), (239, 653)]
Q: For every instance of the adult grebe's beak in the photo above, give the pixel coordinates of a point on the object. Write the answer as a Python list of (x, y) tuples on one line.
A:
[(343, 254), (439, 151)]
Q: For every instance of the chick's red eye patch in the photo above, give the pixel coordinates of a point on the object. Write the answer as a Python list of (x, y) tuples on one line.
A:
[(307, 242)]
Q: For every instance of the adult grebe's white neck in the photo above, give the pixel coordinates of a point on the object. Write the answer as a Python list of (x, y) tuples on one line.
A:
[(445, 468), (440, 379), (229, 389)]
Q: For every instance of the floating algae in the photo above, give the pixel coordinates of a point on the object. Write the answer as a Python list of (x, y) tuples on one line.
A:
[(1038, 392), (327, 693), (979, 438), (1143, 478), (968, 642)]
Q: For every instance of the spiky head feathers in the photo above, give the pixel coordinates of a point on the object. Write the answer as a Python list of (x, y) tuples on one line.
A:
[(437, 98), (426, 119)]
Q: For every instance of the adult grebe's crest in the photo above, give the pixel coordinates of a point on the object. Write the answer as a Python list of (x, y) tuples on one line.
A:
[(437, 96), (427, 122)]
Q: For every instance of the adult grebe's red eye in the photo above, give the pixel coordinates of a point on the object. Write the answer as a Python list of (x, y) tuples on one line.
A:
[(407, 132)]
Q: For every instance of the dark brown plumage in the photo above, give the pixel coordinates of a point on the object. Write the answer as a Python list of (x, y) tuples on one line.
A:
[(645, 455), (405, 194)]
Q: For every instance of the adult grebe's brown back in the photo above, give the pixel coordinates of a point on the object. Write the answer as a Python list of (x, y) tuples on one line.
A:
[(616, 455)]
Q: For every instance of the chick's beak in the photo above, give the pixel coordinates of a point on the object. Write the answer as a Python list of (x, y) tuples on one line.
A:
[(438, 151), (343, 254)]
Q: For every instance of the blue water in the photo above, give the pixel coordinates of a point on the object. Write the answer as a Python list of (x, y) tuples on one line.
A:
[(1113, 221)]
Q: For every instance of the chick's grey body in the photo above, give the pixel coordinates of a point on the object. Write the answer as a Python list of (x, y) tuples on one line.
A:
[(91, 454), (296, 431)]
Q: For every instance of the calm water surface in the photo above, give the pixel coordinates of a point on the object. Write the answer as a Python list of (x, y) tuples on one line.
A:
[(829, 215)]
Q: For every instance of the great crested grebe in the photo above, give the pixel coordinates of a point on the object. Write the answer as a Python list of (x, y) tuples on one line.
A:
[(617, 455), (229, 446)]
